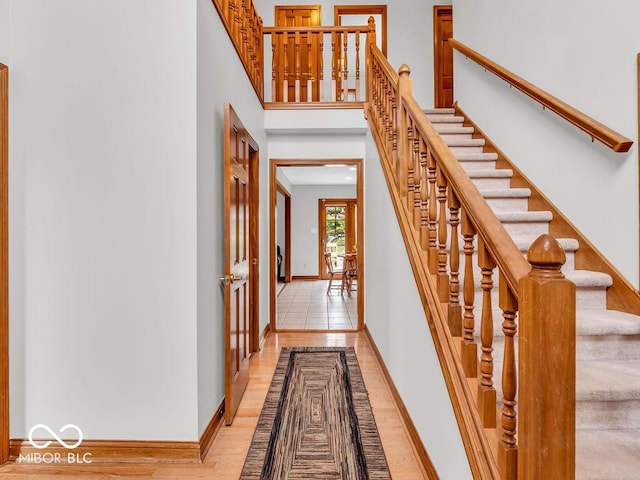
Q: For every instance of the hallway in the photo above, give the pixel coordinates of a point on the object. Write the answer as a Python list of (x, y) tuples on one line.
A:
[(226, 456), (306, 305)]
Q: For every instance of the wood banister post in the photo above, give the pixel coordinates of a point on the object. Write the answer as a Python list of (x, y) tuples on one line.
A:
[(404, 148), (371, 39), (547, 366)]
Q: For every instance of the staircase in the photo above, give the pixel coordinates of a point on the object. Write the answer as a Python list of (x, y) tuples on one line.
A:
[(608, 343)]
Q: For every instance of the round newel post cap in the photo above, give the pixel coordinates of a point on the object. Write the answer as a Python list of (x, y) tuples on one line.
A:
[(372, 23), (404, 70), (546, 257)]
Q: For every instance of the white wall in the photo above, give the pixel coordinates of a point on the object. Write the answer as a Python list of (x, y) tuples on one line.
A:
[(215, 54), (396, 319), (304, 224), (409, 37), (103, 217), (583, 52)]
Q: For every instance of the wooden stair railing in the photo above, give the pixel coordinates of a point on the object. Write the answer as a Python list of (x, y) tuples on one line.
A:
[(299, 70), (444, 219), (597, 130), (245, 29)]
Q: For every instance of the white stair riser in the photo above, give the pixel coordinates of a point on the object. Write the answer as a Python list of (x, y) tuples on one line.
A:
[(491, 183), (478, 164), (526, 229), (509, 204), (474, 149)]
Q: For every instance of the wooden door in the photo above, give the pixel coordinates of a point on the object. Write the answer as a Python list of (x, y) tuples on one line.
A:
[(443, 55), (300, 60), (240, 260), (337, 227)]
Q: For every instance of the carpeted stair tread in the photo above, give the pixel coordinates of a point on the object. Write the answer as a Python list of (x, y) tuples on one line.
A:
[(475, 156), (528, 216), (465, 142), (568, 244), (607, 380), (607, 322), (442, 118), (506, 193), (490, 173), (448, 129), (439, 111), (608, 454), (589, 279)]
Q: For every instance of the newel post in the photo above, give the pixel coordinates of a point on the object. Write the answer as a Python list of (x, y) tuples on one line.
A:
[(547, 366), (371, 40), (405, 86)]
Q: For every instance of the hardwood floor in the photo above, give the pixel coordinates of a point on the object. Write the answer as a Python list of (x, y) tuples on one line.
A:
[(227, 454)]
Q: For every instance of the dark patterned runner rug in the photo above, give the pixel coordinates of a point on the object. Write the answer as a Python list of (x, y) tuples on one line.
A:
[(316, 422)]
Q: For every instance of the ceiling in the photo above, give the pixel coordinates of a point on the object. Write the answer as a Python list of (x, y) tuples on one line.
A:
[(320, 175)]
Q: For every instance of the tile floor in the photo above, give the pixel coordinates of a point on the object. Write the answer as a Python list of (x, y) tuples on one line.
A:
[(306, 305)]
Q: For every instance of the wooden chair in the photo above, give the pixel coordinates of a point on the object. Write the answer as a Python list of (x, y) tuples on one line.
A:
[(332, 271), (350, 273)]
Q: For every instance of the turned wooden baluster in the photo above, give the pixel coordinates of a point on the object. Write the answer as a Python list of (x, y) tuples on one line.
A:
[(454, 317), (508, 448), (486, 390), (357, 66), (309, 73), (274, 66), (371, 40), (231, 18), (469, 351), (432, 256), (417, 181), (321, 68), (297, 62), (334, 69), (394, 122), (285, 81), (345, 85), (404, 88), (424, 194), (260, 60), (443, 277), (547, 366), (244, 34), (410, 165)]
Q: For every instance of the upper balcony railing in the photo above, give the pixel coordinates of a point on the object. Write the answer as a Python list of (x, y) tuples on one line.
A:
[(317, 64)]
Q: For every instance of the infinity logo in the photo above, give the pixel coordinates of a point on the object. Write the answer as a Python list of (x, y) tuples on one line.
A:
[(53, 434)]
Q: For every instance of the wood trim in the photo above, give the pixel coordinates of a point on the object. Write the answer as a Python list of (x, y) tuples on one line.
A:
[(254, 246), (322, 228), (265, 334), (593, 128), (305, 277), (209, 434), (477, 447), (416, 442), (4, 263), (622, 295), (317, 29), (439, 11), (280, 162), (287, 230), (116, 451), (313, 105), (364, 10)]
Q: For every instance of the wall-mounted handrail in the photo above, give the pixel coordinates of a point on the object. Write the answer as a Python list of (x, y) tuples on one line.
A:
[(593, 128)]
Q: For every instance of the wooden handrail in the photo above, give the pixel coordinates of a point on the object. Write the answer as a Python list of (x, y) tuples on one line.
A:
[(318, 29), (595, 129)]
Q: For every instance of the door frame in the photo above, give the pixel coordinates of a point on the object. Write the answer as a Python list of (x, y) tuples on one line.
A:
[(274, 163), (322, 229), (287, 230), (4, 264), (364, 10), (438, 12)]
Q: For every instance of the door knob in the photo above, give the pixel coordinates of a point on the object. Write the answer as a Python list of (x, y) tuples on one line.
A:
[(228, 279)]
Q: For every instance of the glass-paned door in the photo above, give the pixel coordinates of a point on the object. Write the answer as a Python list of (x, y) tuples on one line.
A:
[(337, 231)]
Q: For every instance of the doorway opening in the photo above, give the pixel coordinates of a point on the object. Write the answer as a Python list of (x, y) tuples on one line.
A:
[(306, 302)]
